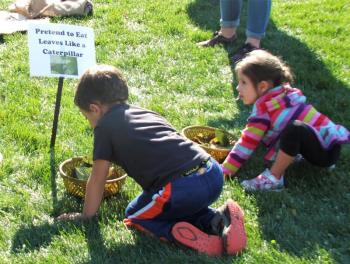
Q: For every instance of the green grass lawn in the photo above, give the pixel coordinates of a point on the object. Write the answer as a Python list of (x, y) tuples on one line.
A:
[(153, 42)]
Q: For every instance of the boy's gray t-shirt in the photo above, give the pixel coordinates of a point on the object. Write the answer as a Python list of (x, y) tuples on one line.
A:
[(145, 145)]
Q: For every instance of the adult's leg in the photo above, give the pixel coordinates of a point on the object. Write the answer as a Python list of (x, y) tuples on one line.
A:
[(258, 19), (230, 16), (229, 21)]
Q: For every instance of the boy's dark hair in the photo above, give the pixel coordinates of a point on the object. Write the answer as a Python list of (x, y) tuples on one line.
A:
[(102, 84), (260, 65)]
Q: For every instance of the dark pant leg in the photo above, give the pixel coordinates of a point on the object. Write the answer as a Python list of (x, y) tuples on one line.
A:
[(298, 138), (143, 211), (185, 199)]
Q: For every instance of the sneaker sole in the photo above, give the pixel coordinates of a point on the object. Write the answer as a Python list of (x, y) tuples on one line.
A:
[(235, 238), (251, 190), (247, 188), (190, 236)]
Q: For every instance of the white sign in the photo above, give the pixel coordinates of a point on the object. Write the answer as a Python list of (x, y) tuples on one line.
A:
[(58, 50)]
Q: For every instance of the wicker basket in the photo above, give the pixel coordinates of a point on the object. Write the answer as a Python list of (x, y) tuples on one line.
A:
[(219, 154), (77, 187)]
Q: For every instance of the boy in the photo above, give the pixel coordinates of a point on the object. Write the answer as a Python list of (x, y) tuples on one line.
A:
[(178, 178)]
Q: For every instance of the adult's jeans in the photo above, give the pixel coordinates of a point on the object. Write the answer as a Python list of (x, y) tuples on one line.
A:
[(258, 16)]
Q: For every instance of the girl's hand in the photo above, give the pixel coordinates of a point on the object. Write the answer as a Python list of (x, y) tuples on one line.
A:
[(227, 176), (70, 217), (227, 173)]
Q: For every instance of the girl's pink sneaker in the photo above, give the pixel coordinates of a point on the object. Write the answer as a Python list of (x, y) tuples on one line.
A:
[(264, 182)]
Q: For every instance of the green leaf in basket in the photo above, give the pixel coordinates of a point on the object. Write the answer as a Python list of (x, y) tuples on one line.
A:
[(221, 137), (82, 172), (201, 139)]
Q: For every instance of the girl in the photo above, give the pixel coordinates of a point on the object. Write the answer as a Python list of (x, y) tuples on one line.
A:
[(281, 119)]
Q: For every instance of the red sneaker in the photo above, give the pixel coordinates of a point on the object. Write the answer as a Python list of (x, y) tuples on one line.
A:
[(192, 237), (234, 236)]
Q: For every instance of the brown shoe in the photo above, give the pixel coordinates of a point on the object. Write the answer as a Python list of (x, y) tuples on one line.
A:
[(216, 40)]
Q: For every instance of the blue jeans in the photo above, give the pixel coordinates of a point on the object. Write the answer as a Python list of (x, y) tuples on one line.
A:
[(258, 16), (184, 199)]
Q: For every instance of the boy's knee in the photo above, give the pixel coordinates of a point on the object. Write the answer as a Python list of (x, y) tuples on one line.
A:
[(128, 211)]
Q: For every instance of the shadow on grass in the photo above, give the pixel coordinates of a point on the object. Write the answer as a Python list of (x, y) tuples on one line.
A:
[(53, 171), (138, 248), (32, 237), (312, 214), (141, 249), (325, 92)]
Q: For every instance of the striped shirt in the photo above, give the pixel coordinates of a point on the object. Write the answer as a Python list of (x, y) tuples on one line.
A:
[(270, 115)]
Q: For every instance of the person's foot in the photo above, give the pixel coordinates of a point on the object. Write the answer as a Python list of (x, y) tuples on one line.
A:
[(266, 181), (242, 52), (88, 9), (190, 236), (217, 39)]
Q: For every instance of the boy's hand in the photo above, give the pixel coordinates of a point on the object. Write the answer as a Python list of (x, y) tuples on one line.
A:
[(95, 187), (70, 217)]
